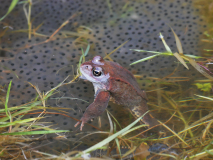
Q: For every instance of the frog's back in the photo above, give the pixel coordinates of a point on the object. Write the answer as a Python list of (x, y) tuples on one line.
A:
[(124, 88), (123, 76)]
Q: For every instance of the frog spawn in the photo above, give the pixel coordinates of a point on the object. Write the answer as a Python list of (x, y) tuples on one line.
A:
[(49, 64)]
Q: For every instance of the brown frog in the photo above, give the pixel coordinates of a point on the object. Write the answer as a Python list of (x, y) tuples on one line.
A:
[(114, 83)]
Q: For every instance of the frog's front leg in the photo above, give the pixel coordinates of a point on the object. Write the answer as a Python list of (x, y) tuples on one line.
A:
[(96, 108)]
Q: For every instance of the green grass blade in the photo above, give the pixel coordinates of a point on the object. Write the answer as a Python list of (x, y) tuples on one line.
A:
[(21, 111), (201, 155), (210, 153), (40, 127), (175, 54), (87, 50), (144, 59), (165, 44), (16, 122), (12, 5), (204, 97), (16, 107), (7, 99), (118, 146), (110, 122), (81, 58), (70, 98), (132, 129), (23, 2), (114, 119), (138, 50), (117, 142), (208, 50), (35, 132), (193, 56)]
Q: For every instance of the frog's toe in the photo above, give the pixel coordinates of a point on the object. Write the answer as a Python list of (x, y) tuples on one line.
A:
[(82, 124), (77, 124)]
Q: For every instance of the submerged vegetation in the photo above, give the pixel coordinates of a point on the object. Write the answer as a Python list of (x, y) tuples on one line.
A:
[(187, 114)]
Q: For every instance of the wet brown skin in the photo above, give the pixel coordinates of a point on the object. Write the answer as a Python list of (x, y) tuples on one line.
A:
[(121, 88)]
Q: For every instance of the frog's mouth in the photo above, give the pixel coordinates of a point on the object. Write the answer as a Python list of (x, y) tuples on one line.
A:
[(83, 77)]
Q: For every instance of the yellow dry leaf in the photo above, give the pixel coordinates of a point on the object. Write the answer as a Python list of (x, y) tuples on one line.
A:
[(178, 43), (180, 59), (141, 152), (199, 68)]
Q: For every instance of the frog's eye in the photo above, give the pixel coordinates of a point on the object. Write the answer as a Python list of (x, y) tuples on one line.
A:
[(97, 72)]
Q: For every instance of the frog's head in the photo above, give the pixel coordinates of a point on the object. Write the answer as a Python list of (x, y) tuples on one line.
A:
[(93, 70)]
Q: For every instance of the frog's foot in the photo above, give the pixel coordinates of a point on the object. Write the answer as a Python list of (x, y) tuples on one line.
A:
[(82, 124), (95, 109)]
